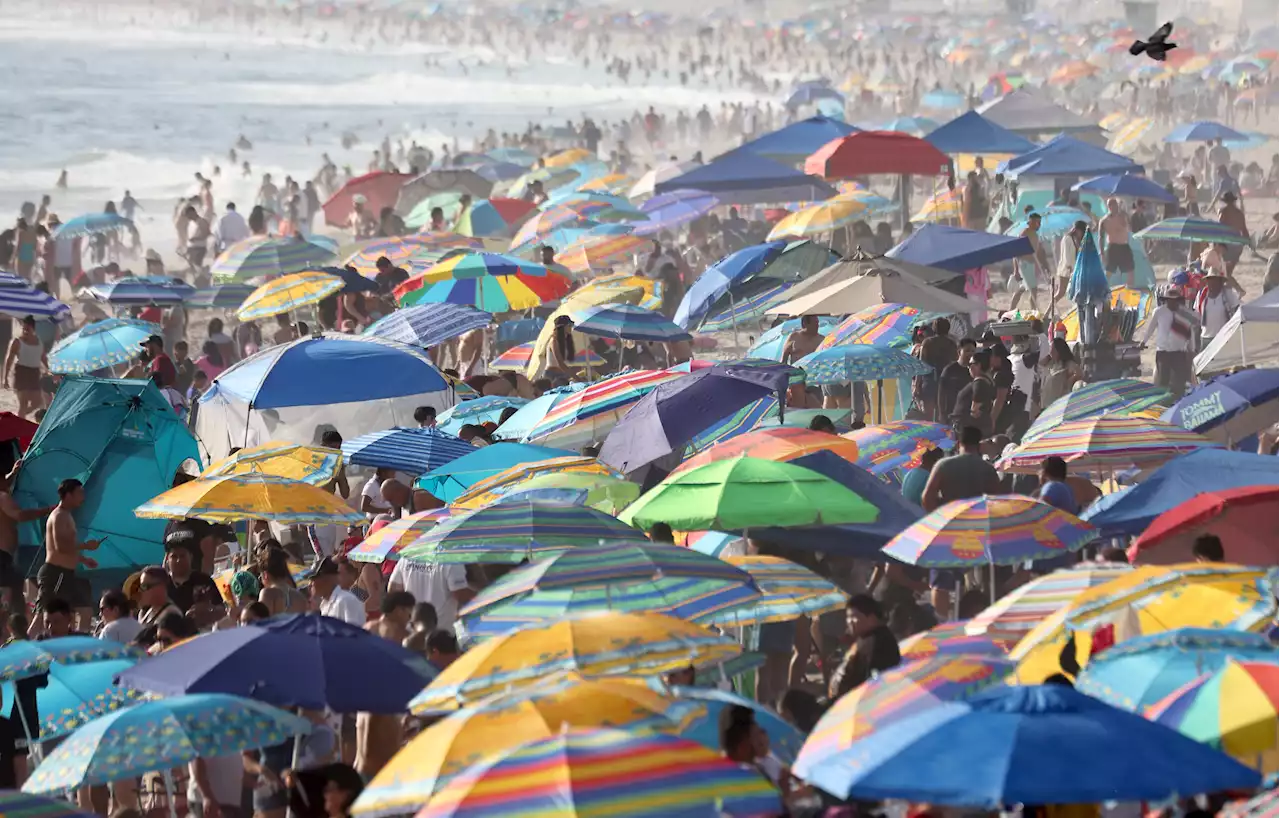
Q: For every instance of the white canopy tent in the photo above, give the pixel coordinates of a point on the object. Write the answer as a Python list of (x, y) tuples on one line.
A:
[(1250, 338)]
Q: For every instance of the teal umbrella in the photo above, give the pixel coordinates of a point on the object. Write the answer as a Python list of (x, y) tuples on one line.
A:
[(77, 694)]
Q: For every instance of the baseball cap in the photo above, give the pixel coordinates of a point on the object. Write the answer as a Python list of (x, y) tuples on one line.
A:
[(154, 339)]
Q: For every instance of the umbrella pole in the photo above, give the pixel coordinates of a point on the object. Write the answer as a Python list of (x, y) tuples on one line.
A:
[(733, 319), (170, 793)]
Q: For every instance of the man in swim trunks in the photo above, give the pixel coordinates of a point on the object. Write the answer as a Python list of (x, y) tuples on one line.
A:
[(1029, 267), (1114, 238), (57, 577)]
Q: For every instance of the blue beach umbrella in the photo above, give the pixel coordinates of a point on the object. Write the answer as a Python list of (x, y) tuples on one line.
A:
[(519, 425), (412, 451), (100, 345), (139, 291), (450, 481), (670, 210), (1127, 185), (481, 410), (770, 343), (1191, 229), (78, 694), (91, 223), (859, 362), (1054, 222), (721, 276), (425, 325), (811, 93), (628, 321), (1203, 132), (19, 299), (1229, 408), (784, 740), (22, 660), (942, 99)]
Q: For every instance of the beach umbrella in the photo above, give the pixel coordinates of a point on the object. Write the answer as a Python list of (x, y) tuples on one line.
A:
[(600, 207), (671, 210), (1190, 229), (942, 206), (161, 734), (497, 486), (427, 325), (516, 156), (140, 291), (566, 157), (316, 465), (1233, 709), (589, 415), (483, 410), (1055, 222), (472, 736), (453, 479), (493, 217), (17, 803), (288, 293), (1026, 745), (352, 281), (1015, 614), (1127, 185), (898, 444), (787, 591), (489, 281), (613, 183), (1139, 672), (913, 125), (623, 576), (18, 299), (1128, 137), (413, 451), (592, 645), (1119, 396), (1105, 443), (23, 659), (942, 99), (437, 181), (401, 250), (374, 191), (575, 773), (746, 492), (516, 530), (542, 223), (232, 498), (516, 427), (227, 296), (261, 256), (291, 660), (770, 343), (387, 542), (859, 362), (1239, 517), (76, 695), (950, 639), (1231, 407), (601, 251), (517, 358), (778, 444), (990, 530), (912, 687), (449, 202), (601, 492), (1202, 132), (888, 325), (823, 217), (91, 224), (704, 727), (1265, 805), (662, 172), (100, 345)]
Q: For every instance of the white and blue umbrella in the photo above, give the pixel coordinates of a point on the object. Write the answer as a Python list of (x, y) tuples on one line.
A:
[(859, 362), (75, 695), (1128, 185), (91, 223), (142, 290), (481, 410), (425, 325), (630, 322), (412, 451), (19, 299), (99, 345), (670, 210)]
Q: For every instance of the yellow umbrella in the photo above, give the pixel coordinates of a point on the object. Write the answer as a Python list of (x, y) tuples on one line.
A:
[(1149, 599), (601, 252), (288, 293), (491, 489), (611, 289), (309, 464), (597, 644), (943, 206), (1113, 120), (966, 162), (823, 217), (616, 184), (472, 736), (1126, 139), (567, 157), (229, 498)]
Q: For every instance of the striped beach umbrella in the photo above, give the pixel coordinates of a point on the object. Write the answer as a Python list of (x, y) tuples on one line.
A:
[(425, 325), (99, 345), (990, 530), (403, 250), (738, 423), (288, 293), (1233, 709), (950, 639), (1129, 136), (1106, 443), (517, 358), (590, 414), (91, 224), (823, 217), (142, 291), (779, 444), (600, 207), (787, 591), (494, 488), (625, 321), (944, 206), (387, 542), (601, 252), (492, 282), (227, 296), (567, 157), (671, 210), (261, 256), (493, 217), (541, 224), (1121, 395), (19, 299), (603, 492), (413, 451), (741, 312), (1190, 229), (613, 183), (1021, 610), (883, 325)]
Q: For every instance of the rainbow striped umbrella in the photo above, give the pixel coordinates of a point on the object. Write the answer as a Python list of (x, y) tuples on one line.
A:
[(898, 445), (823, 217), (881, 325), (1106, 443), (387, 542), (626, 321), (1190, 229), (489, 281), (516, 530), (1123, 395), (903, 691), (1233, 709), (517, 358), (540, 224), (402, 250), (288, 293), (492, 489), (781, 444), (1017, 613), (590, 414), (267, 256), (584, 772), (601, 252), (743, 311), (788, 591), (994, 529), (740, 422), (950, 639), (664, 579)]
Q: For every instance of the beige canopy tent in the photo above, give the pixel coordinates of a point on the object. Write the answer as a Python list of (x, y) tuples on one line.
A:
[(880, 285)]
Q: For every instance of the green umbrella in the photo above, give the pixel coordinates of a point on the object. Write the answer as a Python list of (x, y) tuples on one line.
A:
[(450, 202), (747, 492)]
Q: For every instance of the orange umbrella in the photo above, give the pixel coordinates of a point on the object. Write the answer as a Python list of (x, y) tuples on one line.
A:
[(779, 444)]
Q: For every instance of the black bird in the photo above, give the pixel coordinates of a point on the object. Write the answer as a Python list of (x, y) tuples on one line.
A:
[(1157, 48)]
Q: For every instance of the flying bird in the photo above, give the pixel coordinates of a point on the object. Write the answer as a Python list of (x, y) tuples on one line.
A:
[(1156, 48)]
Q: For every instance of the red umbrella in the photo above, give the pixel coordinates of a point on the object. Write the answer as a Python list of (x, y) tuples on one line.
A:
[(17, 428), (379, 190), (867, 153), (1243, 518), (512, 210)]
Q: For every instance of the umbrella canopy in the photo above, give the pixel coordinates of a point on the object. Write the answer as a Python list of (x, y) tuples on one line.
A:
[(784, 739), (746, 492), (742, 177), (1239, 518), (644, 186), (792, 143), (592, 645), (90, 224), (859, 362), (787, 591), (478, 410), (601, 252), (780, 444), (413, 451), (671, 210), (1203, 132), (493, 217), (1067, 156), (20, 803), (1190, 229), (219, 296), (823, 217), (387, 542), (402, 250), (578, 771), (292, 660), (899, 444), (601, 492), (1021, 610), (139, 291), (22, 660), (267, 256), (1120, 396), (100, 345), (1231, 407), (590, 414), (232, 498), (427, 325), (19, 299), (159, 735), (1026, 745), (517, 358), (288, 293), (475, 735), (888, 324), (1233, 709), (629, 322), (1139, 672), (438, 181), (957, 249), (516, 530), (450, 481), (544, 222), (876, 152), (309, 464), (950, 639), (373, 191), (994, 529), (1105, 443), (973, 133), (497, 486), (1127, 185), (770, 343), (489, 281)]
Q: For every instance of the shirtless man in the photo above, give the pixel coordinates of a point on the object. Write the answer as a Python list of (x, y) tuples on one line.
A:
[(471, 354), (378, 737), (1113, 233), (10, 515), (1029, 267), (798, 345), (62, 547)]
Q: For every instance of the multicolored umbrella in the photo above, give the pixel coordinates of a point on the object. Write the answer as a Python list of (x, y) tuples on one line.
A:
[(541, 224), (1129, 136), (490, 281), (1106, 443), (454, 479), (898, 444), (624, 321), (1266, 805), (944, 206), (823, 217), (496, 487), (1190, 229), (161, 734), (770, 343), (1019, 611), (601, 252), (410, 450), (781, 444), (950, 639), (267, 256), (517, 358), (584, 772), (23, 659), (601, 492), (742, 311), (308, 464), (231, 498), (859, 362), (1240, 517), (592, 645), (100, 345), (76, 695), (493, 217), (590, 414), (747, 492), (1233, 708), (426, 325), (401, 250), (516, 530), (288, 293), (880, 325), (788, 591), (993, 529), (486, 409), (614, 183), (616, 577), (895, 694), (91, 224), (387, 542), (1122, 395), (601, 207), (567, 157), (475, 735)]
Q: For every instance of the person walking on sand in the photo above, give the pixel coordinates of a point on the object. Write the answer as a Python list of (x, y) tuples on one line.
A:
[(23, 366), (1113, 232), (1029, 267)]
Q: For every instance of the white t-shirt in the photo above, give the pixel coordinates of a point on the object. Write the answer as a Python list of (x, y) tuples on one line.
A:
[(1024, 377), (344, 605), (373, 490), (434, 583), (123, 630), (226, 779)]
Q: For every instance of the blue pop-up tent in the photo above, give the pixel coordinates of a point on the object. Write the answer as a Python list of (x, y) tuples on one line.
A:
[(743, 177), (957, 249), (124, 442), (1067, 156), (796, 141), (971, 132)]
